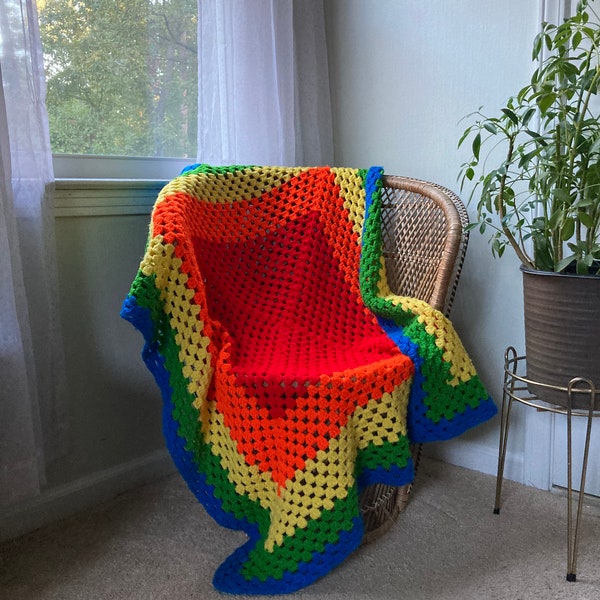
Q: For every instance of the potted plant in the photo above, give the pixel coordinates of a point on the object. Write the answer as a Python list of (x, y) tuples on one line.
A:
[(536, 168)]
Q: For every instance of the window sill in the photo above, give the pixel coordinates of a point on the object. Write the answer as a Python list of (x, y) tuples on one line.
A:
[(87, 166)]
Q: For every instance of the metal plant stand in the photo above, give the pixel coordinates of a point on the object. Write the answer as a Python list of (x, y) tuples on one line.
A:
[(516, 388)]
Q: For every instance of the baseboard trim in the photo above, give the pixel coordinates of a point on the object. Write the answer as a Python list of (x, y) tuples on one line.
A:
[(67, 500), (476, 457)]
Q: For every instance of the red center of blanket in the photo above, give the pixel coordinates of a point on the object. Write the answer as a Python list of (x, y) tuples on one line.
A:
[(289, 312)]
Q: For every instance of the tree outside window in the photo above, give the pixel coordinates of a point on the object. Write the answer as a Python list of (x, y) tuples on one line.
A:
[(121, 76)]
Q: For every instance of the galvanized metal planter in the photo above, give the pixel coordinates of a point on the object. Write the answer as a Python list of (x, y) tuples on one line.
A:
[(562, 332)]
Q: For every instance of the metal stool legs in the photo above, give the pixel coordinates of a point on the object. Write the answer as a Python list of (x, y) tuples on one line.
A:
[(511, 391), (573, 536), (510, 369)]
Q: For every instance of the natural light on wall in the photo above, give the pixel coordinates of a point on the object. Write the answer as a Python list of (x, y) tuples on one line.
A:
[(121, 76)]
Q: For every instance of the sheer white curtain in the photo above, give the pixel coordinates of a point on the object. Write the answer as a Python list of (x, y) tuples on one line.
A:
[(32, 416), (264, 99), (263, 83)]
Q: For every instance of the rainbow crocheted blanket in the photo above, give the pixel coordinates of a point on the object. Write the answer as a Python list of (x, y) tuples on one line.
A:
[(291, 376)]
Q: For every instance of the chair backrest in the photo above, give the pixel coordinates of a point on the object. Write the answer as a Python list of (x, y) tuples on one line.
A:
[(424, 244), (424, 239)]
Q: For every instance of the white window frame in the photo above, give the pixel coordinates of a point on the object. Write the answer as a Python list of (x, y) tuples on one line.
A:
[(539, 426), (89, 166)]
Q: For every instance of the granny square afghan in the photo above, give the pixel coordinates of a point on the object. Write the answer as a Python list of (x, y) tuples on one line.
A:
[(291, 376)]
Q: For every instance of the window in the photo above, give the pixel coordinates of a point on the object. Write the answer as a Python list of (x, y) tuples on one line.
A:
[(121, 79)]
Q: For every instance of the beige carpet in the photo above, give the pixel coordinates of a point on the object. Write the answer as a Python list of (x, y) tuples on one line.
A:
[(157, 543)]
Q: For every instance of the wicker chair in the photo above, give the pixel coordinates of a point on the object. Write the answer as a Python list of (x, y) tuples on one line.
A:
[(424, 241)]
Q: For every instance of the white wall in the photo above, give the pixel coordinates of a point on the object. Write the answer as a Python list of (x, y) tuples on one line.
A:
[(114, 406), (404, 73)]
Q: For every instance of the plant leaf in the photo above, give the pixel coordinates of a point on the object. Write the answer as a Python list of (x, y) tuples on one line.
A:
[(562, 196), (464, 136), (586, 220), (545, 101), (490, 127), (568, 229), (528, 114), (564, 263), (511, 115), (476, 146)]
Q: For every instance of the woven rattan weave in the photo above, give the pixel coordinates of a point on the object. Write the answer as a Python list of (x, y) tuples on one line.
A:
[(424, 243)]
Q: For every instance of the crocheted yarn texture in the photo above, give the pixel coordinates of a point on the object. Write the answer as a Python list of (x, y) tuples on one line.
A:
[(291, 376)]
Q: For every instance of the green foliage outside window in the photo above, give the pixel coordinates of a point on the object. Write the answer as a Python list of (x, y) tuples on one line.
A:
[(121, 76)]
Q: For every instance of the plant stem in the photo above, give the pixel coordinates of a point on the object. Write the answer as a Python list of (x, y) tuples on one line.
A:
[(582, 108), (502, 212)]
